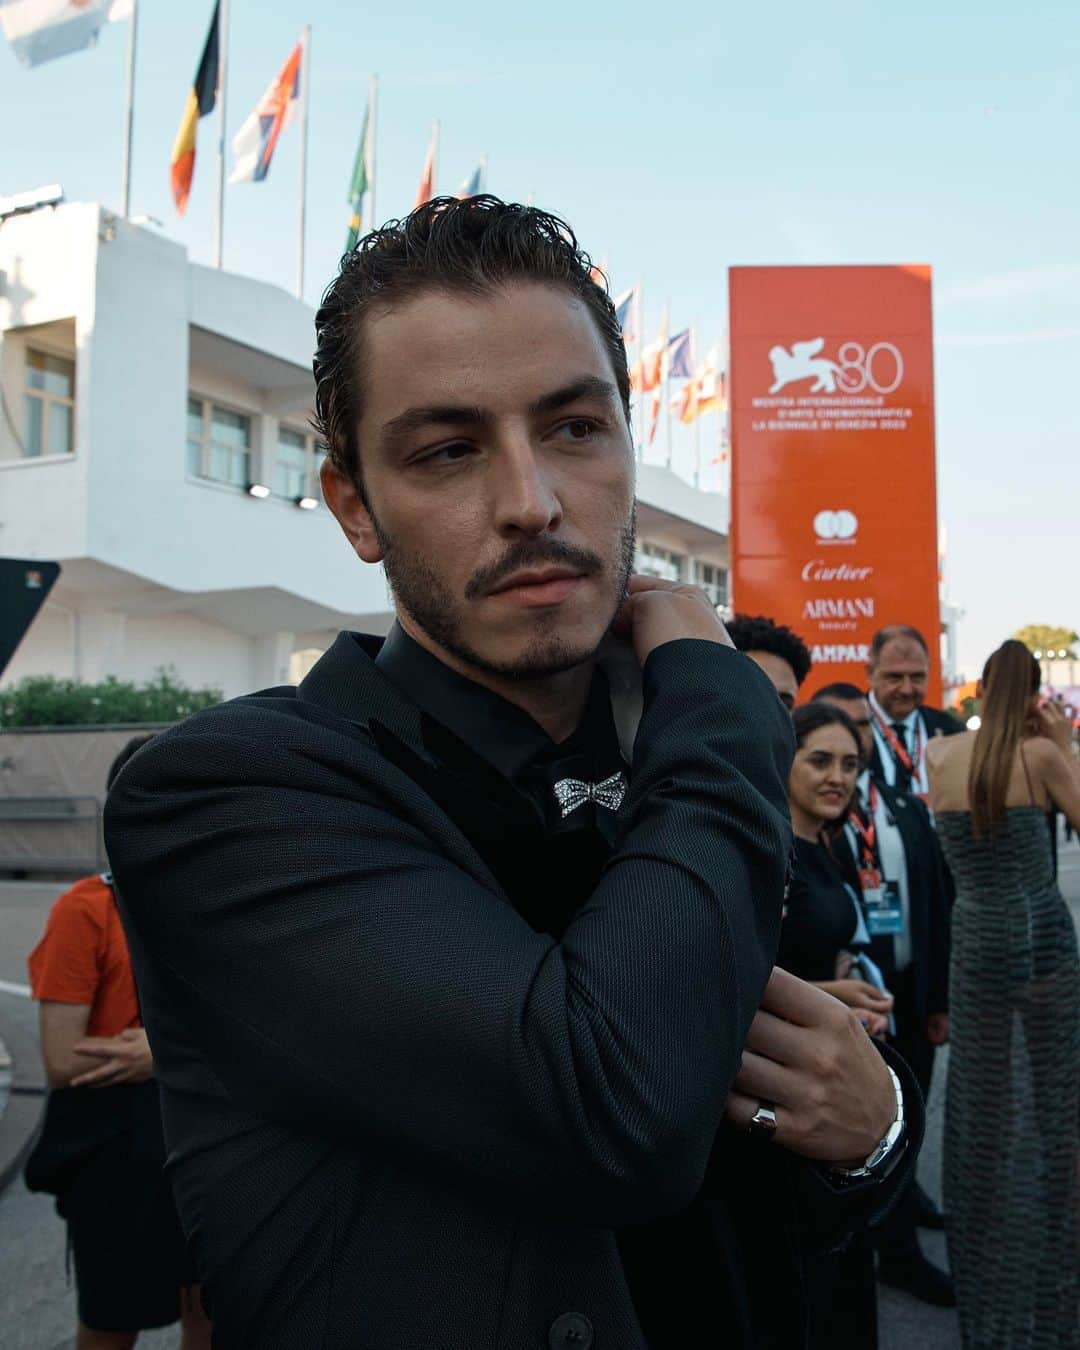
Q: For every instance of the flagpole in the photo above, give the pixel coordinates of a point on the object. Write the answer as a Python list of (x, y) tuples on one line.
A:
[(301, 207), (373, 98), (435, 160), (697, 417), (129, 111), (665, 371), (639, 363), (223, 46)]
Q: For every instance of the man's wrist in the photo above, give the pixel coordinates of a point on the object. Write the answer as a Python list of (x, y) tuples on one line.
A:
[(886, 1154)]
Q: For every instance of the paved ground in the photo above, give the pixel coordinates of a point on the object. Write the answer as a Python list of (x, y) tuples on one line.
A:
[(37, 1310)]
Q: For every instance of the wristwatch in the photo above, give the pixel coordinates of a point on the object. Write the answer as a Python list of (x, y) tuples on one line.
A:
[(886, 1155)]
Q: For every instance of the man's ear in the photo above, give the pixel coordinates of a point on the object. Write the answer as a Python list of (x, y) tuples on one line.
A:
[(343, 498)]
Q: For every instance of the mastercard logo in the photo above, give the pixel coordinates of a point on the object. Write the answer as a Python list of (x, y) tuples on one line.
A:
[(836, 524)]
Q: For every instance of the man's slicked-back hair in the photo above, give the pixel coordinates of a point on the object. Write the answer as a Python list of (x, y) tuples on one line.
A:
[(471, 246)]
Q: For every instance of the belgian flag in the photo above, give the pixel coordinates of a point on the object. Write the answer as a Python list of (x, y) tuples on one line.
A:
[(201, 100)]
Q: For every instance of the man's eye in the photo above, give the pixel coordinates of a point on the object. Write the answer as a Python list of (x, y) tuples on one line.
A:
[(447, 454), (579, 428)]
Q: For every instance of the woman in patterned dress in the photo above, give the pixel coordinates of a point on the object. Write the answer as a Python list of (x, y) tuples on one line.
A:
[(1012, 1119)]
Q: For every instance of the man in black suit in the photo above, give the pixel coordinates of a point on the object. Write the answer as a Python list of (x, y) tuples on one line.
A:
[(465, 1025), (902, 724), (895, 854)]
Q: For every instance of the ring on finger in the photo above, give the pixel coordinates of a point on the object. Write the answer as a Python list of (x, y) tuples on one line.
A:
[(763, 1121)]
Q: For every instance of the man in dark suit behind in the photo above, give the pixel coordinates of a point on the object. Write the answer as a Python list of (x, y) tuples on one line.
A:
[(902, 724), (889, 841), (464, 1022)]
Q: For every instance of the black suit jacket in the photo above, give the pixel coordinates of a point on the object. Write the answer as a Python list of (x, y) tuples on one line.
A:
[(928, 899), (398, 1116)]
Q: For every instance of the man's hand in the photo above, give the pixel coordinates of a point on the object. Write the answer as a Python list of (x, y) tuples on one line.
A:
[(937, 1028), (655, 612), (809, 1057), (124, 1059)]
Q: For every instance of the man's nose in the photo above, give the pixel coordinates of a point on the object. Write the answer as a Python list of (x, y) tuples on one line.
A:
[(524, 498)]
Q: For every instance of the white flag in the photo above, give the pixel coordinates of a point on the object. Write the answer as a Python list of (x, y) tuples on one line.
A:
[(41, 30)]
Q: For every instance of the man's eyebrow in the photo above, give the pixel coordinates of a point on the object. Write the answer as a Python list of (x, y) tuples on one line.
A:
[(589, 386), (416, 419), (462, 415)]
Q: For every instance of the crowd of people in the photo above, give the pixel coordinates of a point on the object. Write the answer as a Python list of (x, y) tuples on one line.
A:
[(912, 847), (542, 974)]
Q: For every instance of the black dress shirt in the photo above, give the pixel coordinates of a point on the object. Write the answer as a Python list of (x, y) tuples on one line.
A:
[(500, 793)]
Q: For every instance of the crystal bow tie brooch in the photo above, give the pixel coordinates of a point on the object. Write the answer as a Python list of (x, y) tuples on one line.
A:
[(571, 793)]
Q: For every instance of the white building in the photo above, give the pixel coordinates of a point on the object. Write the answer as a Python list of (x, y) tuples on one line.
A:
[(142, 394)]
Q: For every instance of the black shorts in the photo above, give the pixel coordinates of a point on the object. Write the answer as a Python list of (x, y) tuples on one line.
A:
[(129, 1256)]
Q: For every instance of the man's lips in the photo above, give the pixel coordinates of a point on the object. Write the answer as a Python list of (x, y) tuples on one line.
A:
[(545, 586)]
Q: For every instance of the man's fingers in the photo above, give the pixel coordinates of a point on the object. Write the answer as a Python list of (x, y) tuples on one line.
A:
[(741, 1109), (794, 1000), (774, 1038), (764, 1078)]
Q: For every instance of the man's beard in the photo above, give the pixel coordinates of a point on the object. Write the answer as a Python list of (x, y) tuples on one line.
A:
[(421, 592)]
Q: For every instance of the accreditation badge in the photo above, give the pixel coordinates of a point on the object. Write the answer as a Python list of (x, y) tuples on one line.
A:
[(884, 912)]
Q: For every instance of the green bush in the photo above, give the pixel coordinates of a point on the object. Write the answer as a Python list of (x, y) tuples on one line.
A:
[(45, 701)]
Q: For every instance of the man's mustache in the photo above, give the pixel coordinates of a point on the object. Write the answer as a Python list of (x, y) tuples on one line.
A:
[(533, 553)]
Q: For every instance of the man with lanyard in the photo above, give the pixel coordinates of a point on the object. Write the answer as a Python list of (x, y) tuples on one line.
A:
[(456, 964), (897, 673), (905, 903)]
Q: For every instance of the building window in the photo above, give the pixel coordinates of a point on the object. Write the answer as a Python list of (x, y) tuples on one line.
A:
[(48, 405), (219, 443), (713, 580), (296, 468), (661, 562)]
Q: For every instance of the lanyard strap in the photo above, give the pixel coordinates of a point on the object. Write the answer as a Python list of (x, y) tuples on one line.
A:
[(893, 742), (867, 832)]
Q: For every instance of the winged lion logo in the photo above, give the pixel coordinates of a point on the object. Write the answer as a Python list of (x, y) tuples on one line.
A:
[(803, 363)]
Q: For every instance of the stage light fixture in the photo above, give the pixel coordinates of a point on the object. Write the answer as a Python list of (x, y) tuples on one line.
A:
[(306, 503), (258, 490)]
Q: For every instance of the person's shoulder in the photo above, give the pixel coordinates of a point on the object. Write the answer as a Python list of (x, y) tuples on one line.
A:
[(1041, 752), (87, 900), (942, 723)]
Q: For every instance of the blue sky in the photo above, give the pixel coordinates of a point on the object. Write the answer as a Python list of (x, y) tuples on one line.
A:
[(678, 143)]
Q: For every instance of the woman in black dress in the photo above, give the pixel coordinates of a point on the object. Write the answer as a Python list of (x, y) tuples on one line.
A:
[(823, 939)]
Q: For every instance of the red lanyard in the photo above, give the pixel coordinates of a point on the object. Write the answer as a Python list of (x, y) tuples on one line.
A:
[(868, 832), (893, 742)]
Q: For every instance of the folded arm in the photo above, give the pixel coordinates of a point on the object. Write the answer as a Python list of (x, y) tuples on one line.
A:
[(342, 975)]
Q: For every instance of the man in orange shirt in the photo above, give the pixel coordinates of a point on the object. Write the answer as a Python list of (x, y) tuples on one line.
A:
[(101, 1151)]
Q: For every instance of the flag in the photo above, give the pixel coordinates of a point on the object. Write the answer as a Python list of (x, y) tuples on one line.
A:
[(426, 190), (679, 356), (254, 144), (360, 183), (626, 314), (654, 416), (200, 101), (475, 183), (710, 383), (41, 30), (651, 368), (685, 404)]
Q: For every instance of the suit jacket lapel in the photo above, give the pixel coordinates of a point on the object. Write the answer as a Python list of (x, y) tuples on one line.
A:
[(346, 682)]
